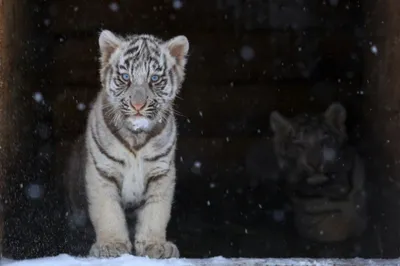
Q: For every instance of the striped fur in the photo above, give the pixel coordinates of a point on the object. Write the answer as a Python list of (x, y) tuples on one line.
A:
[(309, 144), (129, 152), (322, 174)]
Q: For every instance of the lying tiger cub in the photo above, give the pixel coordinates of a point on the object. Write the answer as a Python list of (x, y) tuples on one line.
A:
[(323, 175)]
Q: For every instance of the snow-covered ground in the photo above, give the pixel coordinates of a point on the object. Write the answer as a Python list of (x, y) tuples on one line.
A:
[(66, 260)]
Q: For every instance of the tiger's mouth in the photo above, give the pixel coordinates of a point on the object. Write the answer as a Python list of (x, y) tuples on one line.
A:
[(331, 185)]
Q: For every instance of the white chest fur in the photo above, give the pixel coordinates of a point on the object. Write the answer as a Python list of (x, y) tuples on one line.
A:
[(138, 168), (133, 180), (135, 174)]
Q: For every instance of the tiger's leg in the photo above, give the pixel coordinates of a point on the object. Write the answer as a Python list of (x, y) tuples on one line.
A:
[(107, 216), (153, 218)]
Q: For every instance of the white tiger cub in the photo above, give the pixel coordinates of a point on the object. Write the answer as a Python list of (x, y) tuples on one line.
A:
[(129, 151)]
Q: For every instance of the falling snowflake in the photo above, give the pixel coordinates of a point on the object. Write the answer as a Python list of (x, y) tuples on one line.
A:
[(197, 164), (208, 203), (46, 22), (196, 168), (247, 53), (81, 106), (278, 215), (78, 218), (34, 191), (114, 6), (38, 97), (374, 49), (177, 4)]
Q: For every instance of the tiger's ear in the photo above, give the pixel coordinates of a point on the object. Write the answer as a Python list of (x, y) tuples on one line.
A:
[(178, 47), (108, 43), (336, 115), (280, 125)]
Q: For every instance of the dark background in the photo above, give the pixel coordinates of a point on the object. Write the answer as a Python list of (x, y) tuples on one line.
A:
[(247, 58)]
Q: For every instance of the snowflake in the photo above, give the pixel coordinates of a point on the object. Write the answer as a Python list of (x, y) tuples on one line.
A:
[(114, 6), (38, 97), (374, 49)]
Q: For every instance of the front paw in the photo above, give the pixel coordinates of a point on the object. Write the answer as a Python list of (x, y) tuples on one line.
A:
[(110, 249), (157, 250)]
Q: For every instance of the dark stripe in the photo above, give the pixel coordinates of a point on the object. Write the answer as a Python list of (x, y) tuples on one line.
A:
[(131, 50), (146, 45), (130, 209), (151, 58), (114, 130), (102, 150), (155, 132), (104, 174), (122, 67), (153, 179), (165, 62), (156, 52), (153, 49), (148, 38), (160, 82), (118, 92), (162, 155), (130, 61)]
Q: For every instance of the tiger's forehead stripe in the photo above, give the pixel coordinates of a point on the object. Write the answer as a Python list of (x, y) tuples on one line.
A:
[(145, 53)]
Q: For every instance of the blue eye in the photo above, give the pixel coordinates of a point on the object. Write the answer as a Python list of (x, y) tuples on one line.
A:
[(125, 77), (155, 78)]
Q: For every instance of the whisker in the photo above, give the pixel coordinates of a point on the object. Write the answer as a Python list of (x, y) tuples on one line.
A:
[(115, 117), (177, 113), (179, 97)]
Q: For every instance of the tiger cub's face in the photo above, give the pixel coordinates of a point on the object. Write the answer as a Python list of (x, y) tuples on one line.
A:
[(141, 75), (309, 145)]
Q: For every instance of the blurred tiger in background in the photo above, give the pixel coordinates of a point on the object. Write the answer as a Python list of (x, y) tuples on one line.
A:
[(322, 175)]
